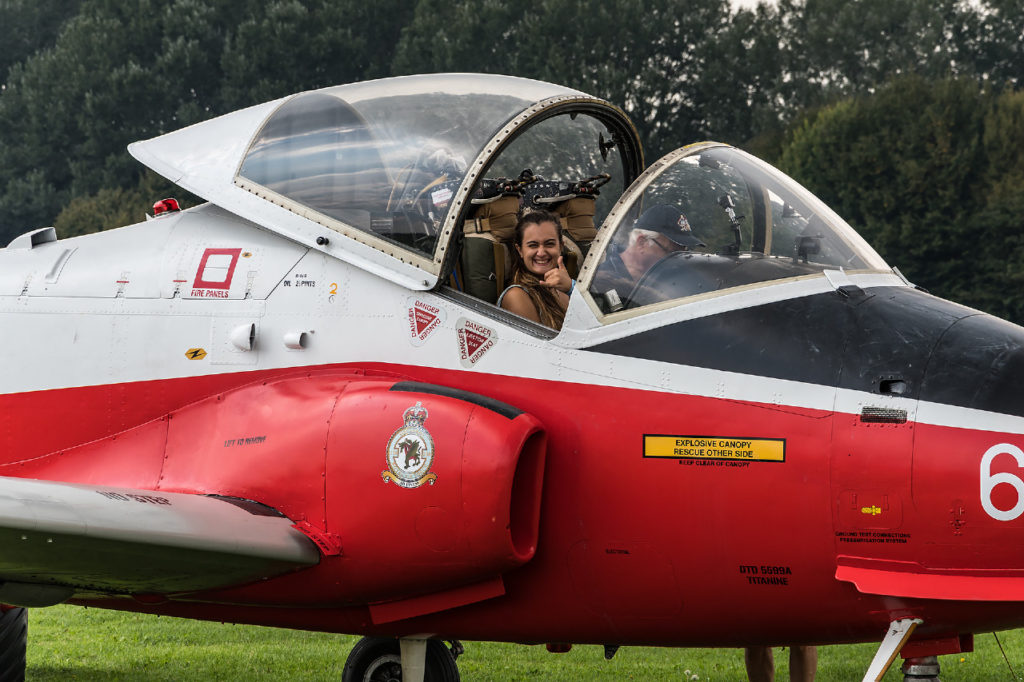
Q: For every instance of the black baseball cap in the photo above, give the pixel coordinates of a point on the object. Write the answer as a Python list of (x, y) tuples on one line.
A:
[(669, 221)]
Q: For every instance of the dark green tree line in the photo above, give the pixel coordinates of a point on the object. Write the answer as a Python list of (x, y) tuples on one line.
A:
[(30, 26), (928, 172)]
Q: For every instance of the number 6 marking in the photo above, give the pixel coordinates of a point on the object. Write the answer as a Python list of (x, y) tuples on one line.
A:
[(990, 481)]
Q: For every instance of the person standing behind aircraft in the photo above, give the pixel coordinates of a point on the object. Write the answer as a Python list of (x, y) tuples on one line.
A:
[(661, 230), (540, 283), (803, 663)]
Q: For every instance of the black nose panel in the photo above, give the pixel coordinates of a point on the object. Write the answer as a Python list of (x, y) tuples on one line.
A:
[(891, 337), (879, 342), (978, 363)]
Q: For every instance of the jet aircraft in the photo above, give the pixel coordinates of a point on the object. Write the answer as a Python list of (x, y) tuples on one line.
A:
[(298, 405)]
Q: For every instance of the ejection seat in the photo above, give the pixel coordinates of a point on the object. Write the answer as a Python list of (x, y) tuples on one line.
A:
[(486, 259)]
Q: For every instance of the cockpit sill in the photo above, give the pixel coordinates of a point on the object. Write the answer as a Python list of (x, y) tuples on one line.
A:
[(585, 325)]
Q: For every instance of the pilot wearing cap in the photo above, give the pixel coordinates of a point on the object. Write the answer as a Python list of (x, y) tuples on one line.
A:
[(659, 231)]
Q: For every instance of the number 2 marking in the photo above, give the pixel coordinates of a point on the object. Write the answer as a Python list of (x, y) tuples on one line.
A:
[(989, 481), (334, 288)]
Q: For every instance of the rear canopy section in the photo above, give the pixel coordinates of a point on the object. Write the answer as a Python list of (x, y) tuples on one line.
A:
[(730, 221), (380, 173)]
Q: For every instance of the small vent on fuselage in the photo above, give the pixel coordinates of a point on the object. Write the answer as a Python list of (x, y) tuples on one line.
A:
[(883, 415)]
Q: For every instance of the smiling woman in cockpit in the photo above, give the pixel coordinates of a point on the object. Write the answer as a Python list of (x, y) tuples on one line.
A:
[(540, 283)]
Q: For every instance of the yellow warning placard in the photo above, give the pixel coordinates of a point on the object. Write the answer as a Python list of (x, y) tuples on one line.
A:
[(712, 447)]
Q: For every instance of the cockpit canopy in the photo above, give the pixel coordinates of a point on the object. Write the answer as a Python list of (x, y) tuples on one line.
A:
[(745, 223), (415, 178), (389, 163)]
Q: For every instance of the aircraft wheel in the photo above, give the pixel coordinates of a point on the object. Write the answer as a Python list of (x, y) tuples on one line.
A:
[(378, 659), (13, 642)]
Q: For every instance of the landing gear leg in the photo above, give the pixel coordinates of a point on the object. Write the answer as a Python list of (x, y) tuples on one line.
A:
[(414, 659), (381, 659), (13, 643), (899, 632)]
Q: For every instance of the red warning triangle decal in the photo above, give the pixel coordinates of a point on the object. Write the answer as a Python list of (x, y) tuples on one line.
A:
[(473, 341), (423, 320)]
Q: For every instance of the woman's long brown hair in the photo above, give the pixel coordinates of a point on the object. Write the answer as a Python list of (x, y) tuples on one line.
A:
[(544, 299)]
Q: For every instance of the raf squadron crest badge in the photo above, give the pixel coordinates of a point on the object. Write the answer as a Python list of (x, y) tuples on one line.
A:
[(411, 451)]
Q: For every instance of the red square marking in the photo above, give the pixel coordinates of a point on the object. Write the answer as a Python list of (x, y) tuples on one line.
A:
[(216, 269)]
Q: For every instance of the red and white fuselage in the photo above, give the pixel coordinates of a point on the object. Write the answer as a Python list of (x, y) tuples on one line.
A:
[(827, 443)]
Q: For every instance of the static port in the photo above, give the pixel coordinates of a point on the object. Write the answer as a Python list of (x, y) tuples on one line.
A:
[(892, 386)]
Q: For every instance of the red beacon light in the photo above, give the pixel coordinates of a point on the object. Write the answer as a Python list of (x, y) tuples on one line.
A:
[(165, 206)]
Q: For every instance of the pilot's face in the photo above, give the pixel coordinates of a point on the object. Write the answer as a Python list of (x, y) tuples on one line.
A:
[(666, 245), (540, 248), (649, 250)]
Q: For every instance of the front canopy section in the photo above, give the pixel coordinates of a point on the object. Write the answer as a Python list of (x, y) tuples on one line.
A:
[(710, 218), (389, 165)]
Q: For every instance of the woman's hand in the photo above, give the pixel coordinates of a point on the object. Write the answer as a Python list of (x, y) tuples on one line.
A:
[(558, 278)]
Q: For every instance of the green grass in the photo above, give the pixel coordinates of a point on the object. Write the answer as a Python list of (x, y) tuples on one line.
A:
[(72, 643)]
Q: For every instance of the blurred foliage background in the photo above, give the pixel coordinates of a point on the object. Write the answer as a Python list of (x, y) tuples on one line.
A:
[(907, 116)]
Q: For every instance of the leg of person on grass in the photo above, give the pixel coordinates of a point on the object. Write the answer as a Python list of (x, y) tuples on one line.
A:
[(803, 663)]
